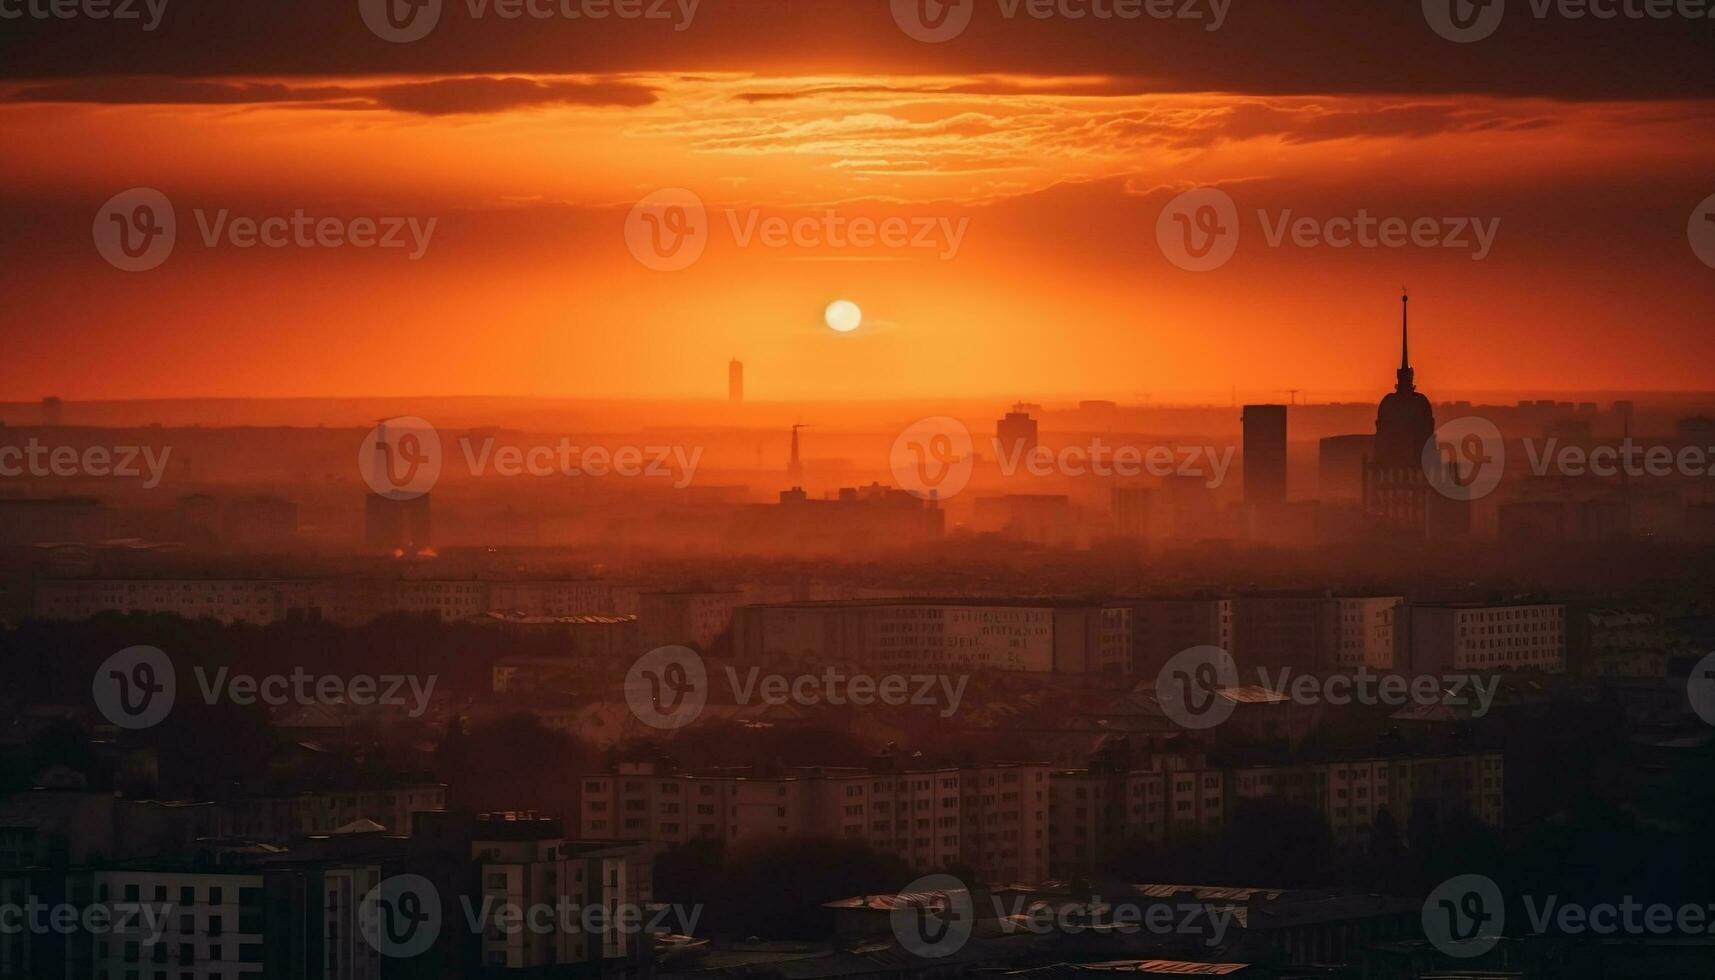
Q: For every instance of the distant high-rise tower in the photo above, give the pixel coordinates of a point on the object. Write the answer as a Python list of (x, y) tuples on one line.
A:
[(735, 381), (795, 466), (1015, 435), (1265, 454), (1398, 493), (51, 410), (400, 527), (1405, 421)]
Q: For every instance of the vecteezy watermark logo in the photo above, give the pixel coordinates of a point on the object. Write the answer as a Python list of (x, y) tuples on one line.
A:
[(936, 21), (39, 460), (400, 21), (1181, 920), (933, 917), (1097, 458), (401, 917), (1197, 689), (400, 458), (667, 687), (933, 21), (1199, 229), (302, 687), (932, 457), (1189, 686), (568, 460), (138, 922), (135, 688), (668, 230), (563, 917), (403, 21), (1365, 230), (1628, 457), (115, 10), (1700, 689), (135, 230), (1464, 21), (1465, 458), (1465, 916), (1701, 229)]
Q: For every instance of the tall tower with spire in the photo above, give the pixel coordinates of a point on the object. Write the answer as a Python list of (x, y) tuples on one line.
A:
[(795, 466), (1398, 492), (1405, 377), (1405, 421)]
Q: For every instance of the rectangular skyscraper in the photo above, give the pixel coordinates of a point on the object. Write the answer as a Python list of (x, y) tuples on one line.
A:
[(1265, 454), (1340, 463), (735, 381), (1015, 435)]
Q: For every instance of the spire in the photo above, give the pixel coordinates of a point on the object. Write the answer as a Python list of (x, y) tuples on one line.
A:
[(1405, 375), (795, 467)]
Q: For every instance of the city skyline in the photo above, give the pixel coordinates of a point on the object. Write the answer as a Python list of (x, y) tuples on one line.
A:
[(857, 489)]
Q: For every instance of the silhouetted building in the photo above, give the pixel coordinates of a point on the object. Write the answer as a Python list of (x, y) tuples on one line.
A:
[(1398, 493), (394, 525), (868, 518), (1314, 631), (1131, 511), (735, 381), (400, 527), (1265, 454), (992, 818), (1340, 468), (795, 464), (52, 520), (1068, 636), (1466, 637), (1625, 410), (693, 619), (1164, 627), (1015, 435), (1041, 518)]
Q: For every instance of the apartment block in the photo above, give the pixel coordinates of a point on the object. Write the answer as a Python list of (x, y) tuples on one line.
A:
[(1314, 631), (298, 921), (1163, 627), (573, 879), (1004, 822), (1483, 637), (282, 818), (572, 597), (1094, 812), (213, 925), (1362, 630), (1349, 795), (693, 619), (1027, 635), (917, 815)]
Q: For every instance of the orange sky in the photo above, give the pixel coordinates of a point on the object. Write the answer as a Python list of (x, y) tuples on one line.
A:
[(1054, 184)]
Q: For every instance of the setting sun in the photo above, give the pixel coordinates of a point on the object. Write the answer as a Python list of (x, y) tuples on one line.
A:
[(844, 316)]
